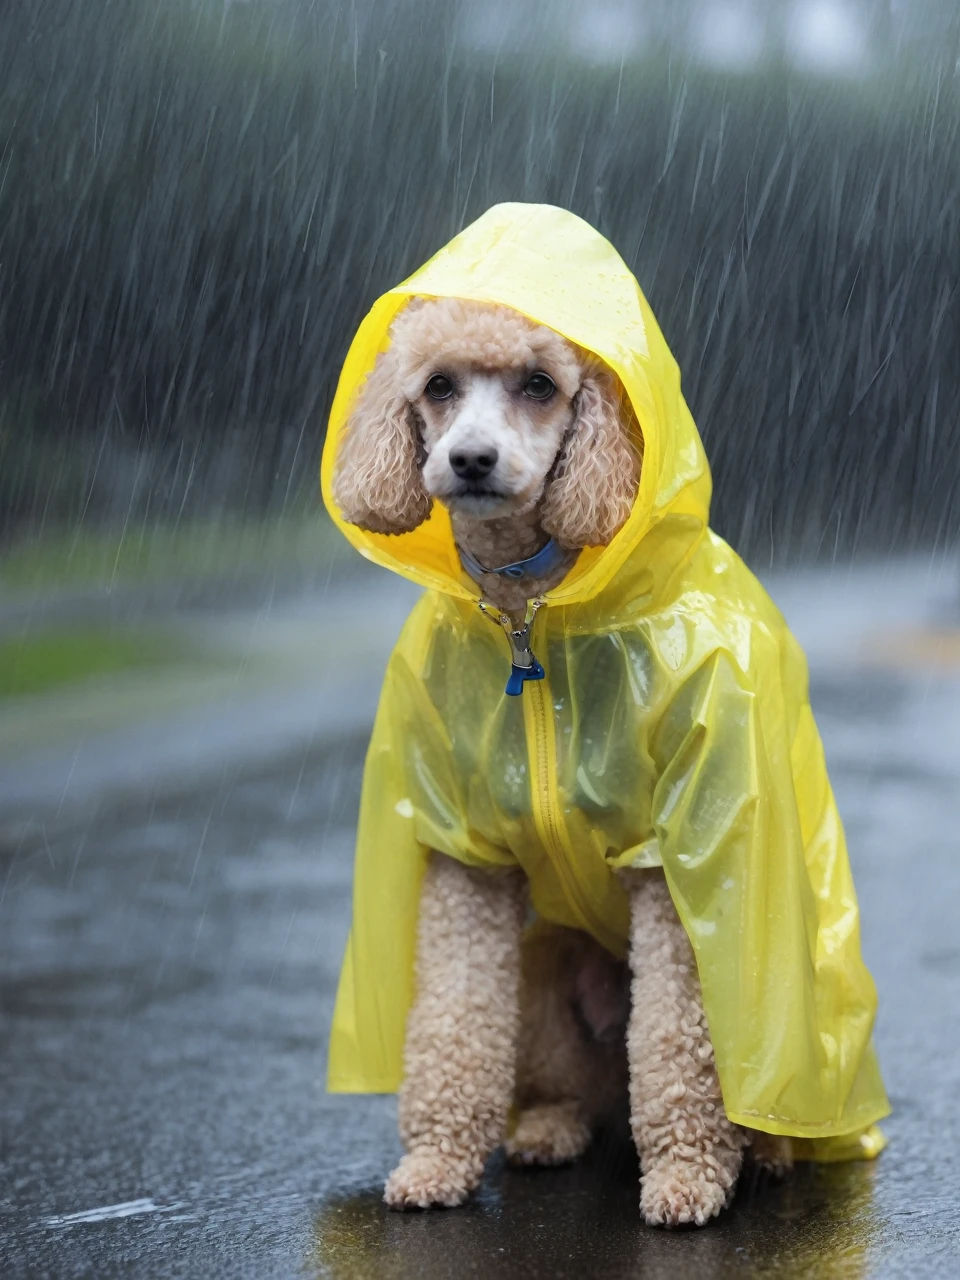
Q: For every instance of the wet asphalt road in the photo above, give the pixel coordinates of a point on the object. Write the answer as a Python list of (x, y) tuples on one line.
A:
[(167, 970)]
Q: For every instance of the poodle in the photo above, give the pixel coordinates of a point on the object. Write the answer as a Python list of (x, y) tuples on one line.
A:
[(531, 1036)]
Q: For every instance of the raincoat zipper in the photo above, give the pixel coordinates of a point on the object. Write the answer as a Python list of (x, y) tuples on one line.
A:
[(545, 801)]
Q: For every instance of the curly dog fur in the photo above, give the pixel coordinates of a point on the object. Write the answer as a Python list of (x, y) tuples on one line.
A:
[(460, 1051), (544, 1025), (567, 468)]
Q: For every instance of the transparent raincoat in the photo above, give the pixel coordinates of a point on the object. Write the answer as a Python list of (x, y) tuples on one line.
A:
[(672, 729)]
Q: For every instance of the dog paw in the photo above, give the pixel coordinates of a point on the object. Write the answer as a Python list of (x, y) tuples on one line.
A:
[(772, 1154), (425, 1178), (547, 1135), (681, 1194)]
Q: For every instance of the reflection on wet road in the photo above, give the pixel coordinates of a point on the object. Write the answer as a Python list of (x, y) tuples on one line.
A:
[(582, 1221)]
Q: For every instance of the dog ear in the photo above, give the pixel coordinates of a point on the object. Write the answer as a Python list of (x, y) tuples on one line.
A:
[(377, 483), (594, 484)]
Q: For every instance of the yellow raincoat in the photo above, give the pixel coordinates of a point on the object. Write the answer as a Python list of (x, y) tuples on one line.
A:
[(672, 729)]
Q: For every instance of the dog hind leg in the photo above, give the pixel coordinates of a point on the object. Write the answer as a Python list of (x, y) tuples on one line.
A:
[(566, 1079), (771, 1154)]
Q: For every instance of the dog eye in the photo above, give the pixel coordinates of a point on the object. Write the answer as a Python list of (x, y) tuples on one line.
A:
[(539, 387), (439, 387)]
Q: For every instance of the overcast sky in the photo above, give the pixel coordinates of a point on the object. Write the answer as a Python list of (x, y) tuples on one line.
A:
[(834, 36)]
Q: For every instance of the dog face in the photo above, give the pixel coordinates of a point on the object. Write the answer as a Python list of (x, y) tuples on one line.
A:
[(492, 435), (478, 407)]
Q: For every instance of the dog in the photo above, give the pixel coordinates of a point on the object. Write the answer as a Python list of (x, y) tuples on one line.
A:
[(525, 437), (620, 880)]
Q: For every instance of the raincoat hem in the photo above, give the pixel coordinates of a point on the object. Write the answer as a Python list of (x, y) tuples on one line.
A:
[(865, 1146), (344, 1084), (795, 1129)]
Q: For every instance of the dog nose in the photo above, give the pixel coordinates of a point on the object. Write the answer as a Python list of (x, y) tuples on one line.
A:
[(473, 466)]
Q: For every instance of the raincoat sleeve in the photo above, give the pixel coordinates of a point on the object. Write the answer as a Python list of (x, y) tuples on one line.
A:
[(754, 855), (376, 980), (413, 801)]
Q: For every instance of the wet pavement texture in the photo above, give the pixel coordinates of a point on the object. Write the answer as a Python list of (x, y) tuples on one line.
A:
[(168, 968)]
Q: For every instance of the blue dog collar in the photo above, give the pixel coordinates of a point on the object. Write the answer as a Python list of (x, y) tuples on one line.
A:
[(544, 562)]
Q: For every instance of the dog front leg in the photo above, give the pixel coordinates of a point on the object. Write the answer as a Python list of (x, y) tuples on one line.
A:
[(690, 1153), (461, 1043)]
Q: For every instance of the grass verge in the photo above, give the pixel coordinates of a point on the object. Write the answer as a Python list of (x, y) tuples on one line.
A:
[(34, 664), (102, 559)]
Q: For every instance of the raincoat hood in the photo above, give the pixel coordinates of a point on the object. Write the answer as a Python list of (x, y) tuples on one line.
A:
[(557, 270), (672, 730)]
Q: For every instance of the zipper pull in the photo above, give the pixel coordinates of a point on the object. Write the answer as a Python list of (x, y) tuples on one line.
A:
[(524, 664)]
